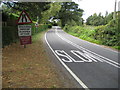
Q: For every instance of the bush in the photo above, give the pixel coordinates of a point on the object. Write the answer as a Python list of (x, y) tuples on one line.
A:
[(85, 33), (49, 25), (38, 29), (104, 34), (9, 35), (108, 34), (10, 32)]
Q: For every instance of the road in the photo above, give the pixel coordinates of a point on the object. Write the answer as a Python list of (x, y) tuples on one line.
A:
[(91, 65)]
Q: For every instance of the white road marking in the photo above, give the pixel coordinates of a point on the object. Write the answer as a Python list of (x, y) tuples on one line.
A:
[(82, 54), (96, 44), (68, 69), (113, 63), (86, 57), (65, 55)]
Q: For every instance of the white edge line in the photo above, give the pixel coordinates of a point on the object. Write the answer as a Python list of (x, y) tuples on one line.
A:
[(68, 69)]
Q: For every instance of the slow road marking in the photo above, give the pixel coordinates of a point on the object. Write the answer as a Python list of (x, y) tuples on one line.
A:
[(83, 56), (111, 62), (67, 68)]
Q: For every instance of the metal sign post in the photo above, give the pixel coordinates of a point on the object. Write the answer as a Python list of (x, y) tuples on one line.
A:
[(36, 25)]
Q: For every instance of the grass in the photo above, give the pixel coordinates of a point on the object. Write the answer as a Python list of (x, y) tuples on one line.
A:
[(85, 34), (36, 37), (116, 47), (28, 67)]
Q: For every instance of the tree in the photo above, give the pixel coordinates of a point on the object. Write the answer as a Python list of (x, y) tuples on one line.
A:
[(108, 18), (34, 9), (88, 20), (51, 12), (45, 11), (70, 12), (95, 20)]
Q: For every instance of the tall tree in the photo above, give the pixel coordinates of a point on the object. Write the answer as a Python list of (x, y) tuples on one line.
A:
[(109, 17), (33, 8), (95, 20), (51, 12), (70, 12)]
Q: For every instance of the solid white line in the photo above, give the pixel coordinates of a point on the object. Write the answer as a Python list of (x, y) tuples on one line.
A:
[(79, 47), (68, 69)]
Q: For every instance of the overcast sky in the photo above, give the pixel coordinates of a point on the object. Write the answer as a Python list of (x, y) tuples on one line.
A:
[(96, 6)]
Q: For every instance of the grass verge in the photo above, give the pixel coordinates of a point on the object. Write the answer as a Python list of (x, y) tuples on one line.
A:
[(28, 67), (87, 33)]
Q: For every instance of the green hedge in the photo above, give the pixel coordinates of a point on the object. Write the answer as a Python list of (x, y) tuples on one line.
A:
[(106, 35), (10, 32), (85, 33), (38, 29), (9, 35)]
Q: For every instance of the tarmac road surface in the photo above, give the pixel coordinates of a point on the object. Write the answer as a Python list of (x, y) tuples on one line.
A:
[(91, 65)]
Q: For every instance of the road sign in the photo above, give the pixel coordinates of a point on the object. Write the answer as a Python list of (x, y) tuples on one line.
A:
[(24, 18), (36, 25), (25, 40), (24, 30)]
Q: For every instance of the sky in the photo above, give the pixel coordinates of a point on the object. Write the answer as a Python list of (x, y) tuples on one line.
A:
[(96, 6)]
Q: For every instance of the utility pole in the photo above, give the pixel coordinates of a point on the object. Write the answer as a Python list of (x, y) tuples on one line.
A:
[(119, 6), (114, 15)]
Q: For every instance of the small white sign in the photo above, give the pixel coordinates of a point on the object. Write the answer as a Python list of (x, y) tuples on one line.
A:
[(24, 30)]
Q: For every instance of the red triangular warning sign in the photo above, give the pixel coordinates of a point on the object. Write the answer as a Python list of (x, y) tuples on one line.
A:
[(24, 18)]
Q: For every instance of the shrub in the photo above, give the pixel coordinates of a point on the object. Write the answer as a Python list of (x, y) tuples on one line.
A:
[(9, 35), (108, 34), (105, 34)]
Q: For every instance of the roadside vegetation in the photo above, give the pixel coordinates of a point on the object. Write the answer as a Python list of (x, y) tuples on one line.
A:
[(30, 67), (98, 29), (65, 14), (10, 32), (44, 13)]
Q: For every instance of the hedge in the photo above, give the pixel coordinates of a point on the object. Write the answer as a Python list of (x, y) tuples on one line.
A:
[(9, 35)]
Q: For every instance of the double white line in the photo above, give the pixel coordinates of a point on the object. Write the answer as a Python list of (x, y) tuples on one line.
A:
[(111, 62), (68, 69)]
